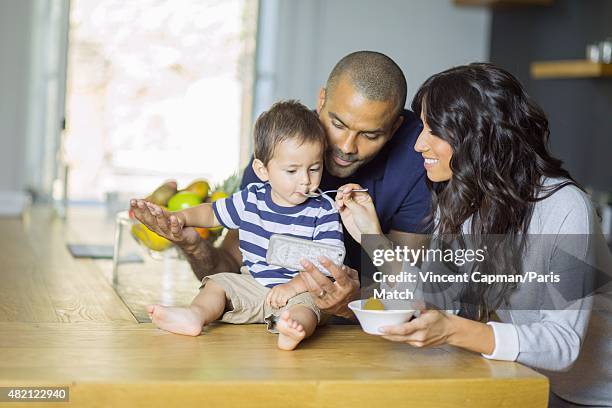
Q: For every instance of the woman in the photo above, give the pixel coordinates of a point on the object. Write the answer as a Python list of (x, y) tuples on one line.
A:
[(484, 148)]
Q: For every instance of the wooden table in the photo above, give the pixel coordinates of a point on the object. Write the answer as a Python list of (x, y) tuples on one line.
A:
[(61, 323)]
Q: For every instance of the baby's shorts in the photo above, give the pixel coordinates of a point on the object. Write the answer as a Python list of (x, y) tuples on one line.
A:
[(247, 300)]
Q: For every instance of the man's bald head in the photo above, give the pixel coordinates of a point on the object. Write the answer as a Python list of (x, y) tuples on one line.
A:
[(374, 75)]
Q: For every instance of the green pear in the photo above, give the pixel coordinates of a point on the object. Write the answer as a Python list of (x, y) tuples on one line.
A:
[(162, 194)]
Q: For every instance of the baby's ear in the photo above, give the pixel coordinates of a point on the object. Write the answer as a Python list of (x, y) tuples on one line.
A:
[(260, 170)]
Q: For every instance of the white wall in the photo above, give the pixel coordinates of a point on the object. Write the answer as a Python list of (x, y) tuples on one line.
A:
[(422, 36), (15, 26), (33, 38)]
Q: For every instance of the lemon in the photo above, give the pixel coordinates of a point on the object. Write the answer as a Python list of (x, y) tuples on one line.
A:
[(373, 304), (150, 239), (217, 195)]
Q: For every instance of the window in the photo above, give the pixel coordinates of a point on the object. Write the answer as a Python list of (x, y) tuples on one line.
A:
[(157, 89)]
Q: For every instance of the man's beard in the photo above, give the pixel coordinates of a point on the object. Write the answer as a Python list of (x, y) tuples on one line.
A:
[(341, 171)]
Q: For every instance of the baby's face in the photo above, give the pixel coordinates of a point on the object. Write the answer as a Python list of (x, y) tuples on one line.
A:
[(295, 169)]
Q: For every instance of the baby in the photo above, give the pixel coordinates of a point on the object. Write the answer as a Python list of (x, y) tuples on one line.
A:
[(289, 147)]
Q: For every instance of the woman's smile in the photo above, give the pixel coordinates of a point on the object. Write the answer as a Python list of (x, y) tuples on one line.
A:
[(429, 162)]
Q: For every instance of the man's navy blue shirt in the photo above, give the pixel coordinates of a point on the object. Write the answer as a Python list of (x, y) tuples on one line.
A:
[(395, 179)]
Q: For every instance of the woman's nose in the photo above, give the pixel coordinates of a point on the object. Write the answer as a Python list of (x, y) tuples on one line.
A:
[(421, 143)]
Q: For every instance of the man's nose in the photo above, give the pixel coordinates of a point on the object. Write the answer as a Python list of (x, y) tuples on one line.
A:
[(349, 144)]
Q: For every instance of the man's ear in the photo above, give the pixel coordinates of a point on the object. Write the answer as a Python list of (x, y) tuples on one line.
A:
[(321, 100), (260, 170)]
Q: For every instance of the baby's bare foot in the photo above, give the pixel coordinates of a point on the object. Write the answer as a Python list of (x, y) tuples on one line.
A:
[(180, 320), (291, 332)]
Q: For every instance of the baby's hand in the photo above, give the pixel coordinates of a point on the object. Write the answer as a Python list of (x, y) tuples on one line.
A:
[(279, 295)]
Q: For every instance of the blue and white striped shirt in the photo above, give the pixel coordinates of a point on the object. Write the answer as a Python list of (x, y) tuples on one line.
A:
[(253, 212)]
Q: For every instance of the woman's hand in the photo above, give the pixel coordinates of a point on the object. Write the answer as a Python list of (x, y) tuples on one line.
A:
[(431, 328), (357, 211), (434, 327)]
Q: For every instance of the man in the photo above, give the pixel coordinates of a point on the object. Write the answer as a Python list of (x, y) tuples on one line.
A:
[(371, 143)]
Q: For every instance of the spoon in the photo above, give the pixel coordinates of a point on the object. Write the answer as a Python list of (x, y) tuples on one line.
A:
[(315, 195)]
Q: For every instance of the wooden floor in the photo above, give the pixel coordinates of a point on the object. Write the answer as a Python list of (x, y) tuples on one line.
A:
[(63, 323)]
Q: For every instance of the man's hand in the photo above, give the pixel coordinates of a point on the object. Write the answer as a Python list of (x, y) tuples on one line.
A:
[(203, 257), (279, 295), (331, 297), (168, 225)]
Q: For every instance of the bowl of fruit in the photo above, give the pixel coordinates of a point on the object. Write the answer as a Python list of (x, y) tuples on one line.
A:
[(169, 197), (374, 313)]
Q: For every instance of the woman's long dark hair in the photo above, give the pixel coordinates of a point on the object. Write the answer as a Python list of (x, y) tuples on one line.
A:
[(500, 159)]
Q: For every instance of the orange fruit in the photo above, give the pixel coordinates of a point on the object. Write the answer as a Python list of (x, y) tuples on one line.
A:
[(204, 232)]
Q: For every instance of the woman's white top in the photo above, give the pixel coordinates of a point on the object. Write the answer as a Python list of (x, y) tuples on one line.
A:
[(573, 347)]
